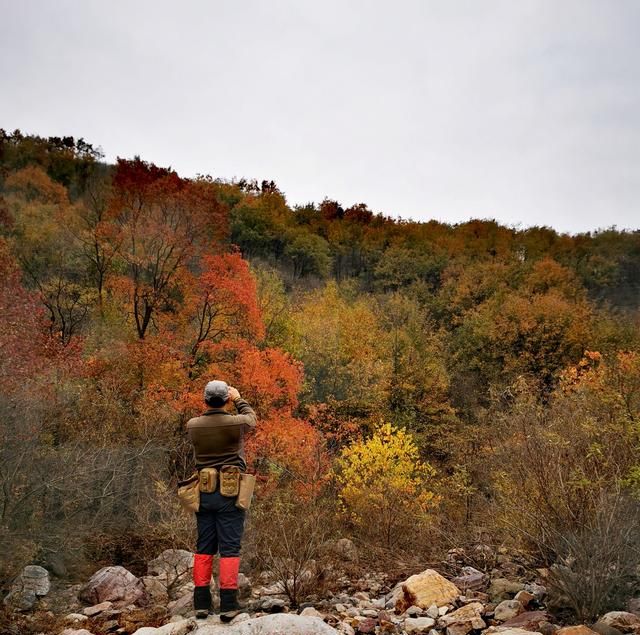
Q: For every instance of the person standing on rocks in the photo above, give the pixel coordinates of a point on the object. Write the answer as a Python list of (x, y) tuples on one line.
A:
[(218, 442)]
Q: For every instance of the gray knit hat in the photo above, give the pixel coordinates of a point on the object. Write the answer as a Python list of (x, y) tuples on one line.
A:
[(216, 391)]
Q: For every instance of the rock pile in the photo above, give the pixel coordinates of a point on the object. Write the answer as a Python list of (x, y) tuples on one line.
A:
[(466, 602)]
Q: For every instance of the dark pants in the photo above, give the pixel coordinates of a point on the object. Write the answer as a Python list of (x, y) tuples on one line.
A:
[(220, 525)]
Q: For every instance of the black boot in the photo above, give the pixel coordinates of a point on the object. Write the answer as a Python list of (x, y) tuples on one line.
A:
[(202, 601), (229, 605)]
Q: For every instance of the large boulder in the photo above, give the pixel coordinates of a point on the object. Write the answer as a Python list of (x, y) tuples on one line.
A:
[(114, 584), (622, 620), (32, 583), (423, 590), (464, 620), (280, 624)]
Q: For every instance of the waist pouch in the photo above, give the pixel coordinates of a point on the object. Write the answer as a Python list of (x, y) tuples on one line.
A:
[(208, 479), (245, 491), (189, 493), (229, 480)]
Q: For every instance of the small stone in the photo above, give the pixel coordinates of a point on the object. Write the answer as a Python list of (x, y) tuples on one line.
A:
[(90, 611), (442, 610), (418, 624), (464, 620), (433, 612), (537, 590), (273, 605), (469, 579), (75, 631), (503, 589), (414, 611), (507, 609), (529, 621), (75, 618), (340, 608), (367, 626), (370, 613)]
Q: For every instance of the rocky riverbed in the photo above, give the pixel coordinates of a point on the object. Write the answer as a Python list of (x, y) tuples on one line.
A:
[(508, 599)]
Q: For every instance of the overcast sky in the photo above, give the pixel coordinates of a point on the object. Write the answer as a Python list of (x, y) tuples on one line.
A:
[(523, 111)]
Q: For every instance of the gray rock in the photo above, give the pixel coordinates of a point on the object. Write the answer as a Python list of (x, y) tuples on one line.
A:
[(503, 589), (20, 599), (181, 627), (537, 590), (35, 578), (273, 605), (182, 605), (470, 579), (433, 612), (281, 624), (32, 583), (114, 584), (75, 631)]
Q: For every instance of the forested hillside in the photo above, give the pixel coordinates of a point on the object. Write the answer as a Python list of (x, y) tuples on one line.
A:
[(458, 383)]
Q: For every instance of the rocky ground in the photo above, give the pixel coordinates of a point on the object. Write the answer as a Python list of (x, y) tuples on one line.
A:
[(507, 600)]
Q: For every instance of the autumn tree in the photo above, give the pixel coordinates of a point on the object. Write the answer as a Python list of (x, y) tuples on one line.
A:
[(164, 222), (384, 478)]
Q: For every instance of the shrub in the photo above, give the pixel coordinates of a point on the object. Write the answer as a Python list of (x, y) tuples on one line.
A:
[(383, 478)]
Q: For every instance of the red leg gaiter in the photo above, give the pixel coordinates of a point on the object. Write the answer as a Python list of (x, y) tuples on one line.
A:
[(202, 565), (229, 568)]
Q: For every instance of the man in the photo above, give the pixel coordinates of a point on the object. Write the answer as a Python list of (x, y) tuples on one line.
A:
[(218, 439)]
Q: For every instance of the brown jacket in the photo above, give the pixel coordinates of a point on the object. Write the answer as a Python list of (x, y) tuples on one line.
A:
[(218, 435)]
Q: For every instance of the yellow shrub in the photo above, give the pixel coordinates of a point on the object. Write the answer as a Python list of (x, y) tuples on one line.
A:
[(384, 486)]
